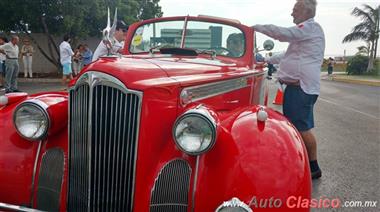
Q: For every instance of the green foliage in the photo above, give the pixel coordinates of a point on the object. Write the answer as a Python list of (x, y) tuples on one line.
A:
[(77, 17), (357, 65), (376, 68)]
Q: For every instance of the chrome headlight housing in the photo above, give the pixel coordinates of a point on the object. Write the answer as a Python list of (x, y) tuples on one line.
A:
[(31, 120), (195, 131)]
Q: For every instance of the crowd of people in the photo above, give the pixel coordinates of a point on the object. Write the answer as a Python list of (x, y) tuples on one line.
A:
[(72, 61)]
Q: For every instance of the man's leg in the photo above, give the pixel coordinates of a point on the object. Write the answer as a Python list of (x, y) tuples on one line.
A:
[(310, 143), (14, 76), (8, 76)]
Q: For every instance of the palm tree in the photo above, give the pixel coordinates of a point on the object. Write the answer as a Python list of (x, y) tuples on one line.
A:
[(367, 30), (363, 50)]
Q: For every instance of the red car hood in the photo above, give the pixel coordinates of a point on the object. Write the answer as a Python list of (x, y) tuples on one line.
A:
[(141, 72)]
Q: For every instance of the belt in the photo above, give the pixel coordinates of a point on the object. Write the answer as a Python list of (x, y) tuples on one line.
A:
[(10, 58), (294, 83)]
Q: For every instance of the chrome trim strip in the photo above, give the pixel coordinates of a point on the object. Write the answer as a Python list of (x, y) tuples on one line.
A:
[(199, 92), (17, 208), (34, 172), (195, 184)]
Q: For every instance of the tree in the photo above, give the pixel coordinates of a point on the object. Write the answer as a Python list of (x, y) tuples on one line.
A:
[(367, 30), (363, 50), (79, 18)]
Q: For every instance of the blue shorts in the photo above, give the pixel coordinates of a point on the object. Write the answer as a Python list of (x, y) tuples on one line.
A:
[(67, 69), (298, 107)]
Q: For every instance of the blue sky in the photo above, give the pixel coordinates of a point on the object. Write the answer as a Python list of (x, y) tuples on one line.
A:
[(333, 15)]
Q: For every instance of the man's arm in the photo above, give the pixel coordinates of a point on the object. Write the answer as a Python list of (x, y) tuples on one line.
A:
[(283, 34)]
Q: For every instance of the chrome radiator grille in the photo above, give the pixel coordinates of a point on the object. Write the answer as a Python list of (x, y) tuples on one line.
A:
[(171, 188), (104, 120)]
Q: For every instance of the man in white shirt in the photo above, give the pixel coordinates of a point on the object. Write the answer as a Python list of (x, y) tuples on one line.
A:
[(66, 54), (11, 64), (300, 69), (117, 47)]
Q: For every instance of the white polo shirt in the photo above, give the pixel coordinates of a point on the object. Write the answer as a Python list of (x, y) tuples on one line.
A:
[(11, 51), (65, 52), (303, 59), (102, 50)]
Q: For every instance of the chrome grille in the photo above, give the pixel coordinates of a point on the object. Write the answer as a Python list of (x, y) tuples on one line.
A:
[(171, 188), (50, 180), (104, 120)]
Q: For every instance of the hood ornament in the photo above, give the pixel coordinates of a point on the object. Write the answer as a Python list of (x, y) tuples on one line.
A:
[(109, 31)]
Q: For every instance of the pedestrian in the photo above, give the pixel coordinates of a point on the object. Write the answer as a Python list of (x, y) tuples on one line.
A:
[(235, 45), (330, 66), (77, 59), (86, 55), (117, 40), (300, 70), (27, 51), (66, 54), (3, 40), (11, 51), (271, 68)]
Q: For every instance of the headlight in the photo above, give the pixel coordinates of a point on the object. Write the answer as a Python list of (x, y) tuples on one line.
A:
[(195, 131), (31, 120)]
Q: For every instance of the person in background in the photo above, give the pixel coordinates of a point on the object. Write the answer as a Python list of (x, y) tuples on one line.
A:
[(330, 66), (86, 55), (300, 69), (27, 51), (271, 68), (11, 51), (119, 36), (235, 45), (77, 59), (66, 54), (3, 40)]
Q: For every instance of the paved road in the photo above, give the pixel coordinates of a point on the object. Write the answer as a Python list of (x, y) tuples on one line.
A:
[(347, 120), (348, 132), (35, 87)]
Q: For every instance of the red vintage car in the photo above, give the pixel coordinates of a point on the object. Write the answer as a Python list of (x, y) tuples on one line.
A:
[(177, 123)]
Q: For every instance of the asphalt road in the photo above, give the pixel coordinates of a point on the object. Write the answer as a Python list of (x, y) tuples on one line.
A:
[(347, 119), (347, 128)]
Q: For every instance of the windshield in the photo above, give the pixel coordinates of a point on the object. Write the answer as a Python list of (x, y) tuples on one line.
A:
[(222, 39)]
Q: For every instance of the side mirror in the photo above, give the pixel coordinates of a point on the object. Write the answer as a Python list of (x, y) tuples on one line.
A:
[(268, 45)]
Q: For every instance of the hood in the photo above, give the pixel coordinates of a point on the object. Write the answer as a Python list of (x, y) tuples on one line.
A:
[(142, 72)]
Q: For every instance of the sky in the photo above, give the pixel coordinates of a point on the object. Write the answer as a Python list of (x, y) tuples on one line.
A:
[(333, 15)]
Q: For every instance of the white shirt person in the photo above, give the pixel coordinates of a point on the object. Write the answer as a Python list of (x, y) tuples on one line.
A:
[(303, 59), (118, 38)]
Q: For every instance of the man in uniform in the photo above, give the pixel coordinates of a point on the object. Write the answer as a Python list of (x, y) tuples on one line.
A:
[(299, 70)]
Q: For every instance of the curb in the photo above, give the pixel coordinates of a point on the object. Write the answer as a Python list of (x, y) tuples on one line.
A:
[(356, 81)]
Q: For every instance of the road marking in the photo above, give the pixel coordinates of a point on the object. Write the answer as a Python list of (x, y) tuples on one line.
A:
[(349, 108)]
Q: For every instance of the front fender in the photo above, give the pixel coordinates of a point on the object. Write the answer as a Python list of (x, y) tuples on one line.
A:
[(253, 160), (20, 159)]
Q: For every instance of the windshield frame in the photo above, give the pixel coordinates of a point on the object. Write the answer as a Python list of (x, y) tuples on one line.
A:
[(186, 19)]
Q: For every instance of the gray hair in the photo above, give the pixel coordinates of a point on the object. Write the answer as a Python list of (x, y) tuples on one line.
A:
[(310, 5)]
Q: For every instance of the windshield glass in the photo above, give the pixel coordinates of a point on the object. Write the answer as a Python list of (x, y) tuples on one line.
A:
[(222, 39)]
